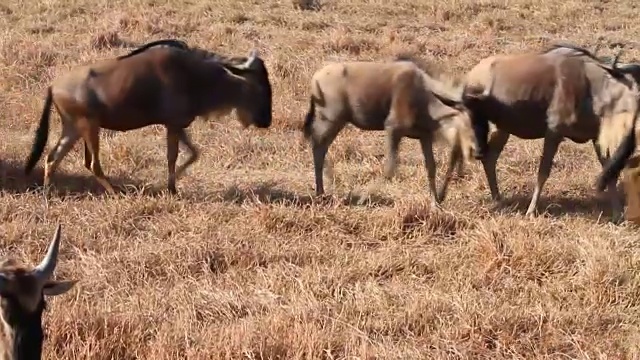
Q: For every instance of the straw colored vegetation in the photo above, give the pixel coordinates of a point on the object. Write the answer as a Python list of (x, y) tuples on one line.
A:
[(245, 263)]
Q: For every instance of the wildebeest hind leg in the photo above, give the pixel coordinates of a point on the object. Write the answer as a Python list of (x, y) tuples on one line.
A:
[(551, 143), (614, 198), (66, 141), (92, 141), (193, 152), (324, 133), (426, 143), (497, 142)]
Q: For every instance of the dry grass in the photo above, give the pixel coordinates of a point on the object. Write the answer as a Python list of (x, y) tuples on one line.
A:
[(245, 264)]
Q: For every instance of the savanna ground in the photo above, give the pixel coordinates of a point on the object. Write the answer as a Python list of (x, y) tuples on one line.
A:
[(245, 264)]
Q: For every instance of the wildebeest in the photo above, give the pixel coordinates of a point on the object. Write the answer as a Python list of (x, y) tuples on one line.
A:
[(165, 85), (563, 92), (22, 292), (396, 96)]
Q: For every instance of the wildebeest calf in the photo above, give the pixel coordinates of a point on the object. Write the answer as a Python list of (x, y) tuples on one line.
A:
[(564, 92), (166, 85), (395, 96)]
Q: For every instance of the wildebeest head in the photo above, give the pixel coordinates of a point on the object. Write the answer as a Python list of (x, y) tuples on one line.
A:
[(459, 124), (258, 102), (22, 301)]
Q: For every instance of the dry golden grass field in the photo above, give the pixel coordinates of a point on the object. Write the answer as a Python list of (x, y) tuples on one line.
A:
[(244, 264)]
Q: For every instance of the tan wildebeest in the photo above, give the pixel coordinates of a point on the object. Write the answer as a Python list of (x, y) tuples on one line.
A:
[(166, 85), (22, 292), (396, 96), (564, 92)]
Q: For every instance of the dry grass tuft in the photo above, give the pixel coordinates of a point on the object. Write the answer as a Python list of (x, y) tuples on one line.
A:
[(246, 263), (107, 40), (309, 5)]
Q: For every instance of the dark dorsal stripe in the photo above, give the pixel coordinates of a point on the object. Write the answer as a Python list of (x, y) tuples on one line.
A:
[(198, 52), (610, 66), (164, 42)]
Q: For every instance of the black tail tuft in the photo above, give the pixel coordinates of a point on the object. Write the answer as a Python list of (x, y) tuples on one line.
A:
[(42, 134), (308, 120)]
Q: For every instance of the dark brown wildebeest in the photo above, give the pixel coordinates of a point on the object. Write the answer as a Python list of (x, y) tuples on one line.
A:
[(22, 292), (165, 85), (163, 42), (396, 96), (564, 92)]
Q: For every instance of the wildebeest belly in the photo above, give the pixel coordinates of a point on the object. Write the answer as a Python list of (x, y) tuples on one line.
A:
[(370, 115), (524, 119), (131, 111), (127, 123), (528, 120)]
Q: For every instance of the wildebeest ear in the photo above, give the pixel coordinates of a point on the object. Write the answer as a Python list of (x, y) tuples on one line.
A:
[(53, 288)]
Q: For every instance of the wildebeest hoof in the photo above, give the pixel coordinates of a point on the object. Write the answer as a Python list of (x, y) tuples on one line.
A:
[(617, 219), (479, 155)]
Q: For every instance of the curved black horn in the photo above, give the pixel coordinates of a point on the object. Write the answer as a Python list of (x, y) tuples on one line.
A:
[(597, 48), (615, 60), (45, 269)]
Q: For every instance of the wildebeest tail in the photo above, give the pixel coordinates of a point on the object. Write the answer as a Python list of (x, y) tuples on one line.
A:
[(42, 134), (308, 120)]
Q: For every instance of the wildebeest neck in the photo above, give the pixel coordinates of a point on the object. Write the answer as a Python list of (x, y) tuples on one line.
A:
[(27, 329)]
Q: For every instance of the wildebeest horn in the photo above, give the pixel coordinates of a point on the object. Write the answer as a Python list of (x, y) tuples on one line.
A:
[(249, 63), (45, 269), (615, 59)]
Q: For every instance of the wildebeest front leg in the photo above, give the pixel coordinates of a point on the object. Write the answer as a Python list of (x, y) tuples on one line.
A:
[(551, 143), (393, 144), (480, 124), (173, 140), (497, 142), (426, 143), (454, 158), (616, 203), (87, 156)]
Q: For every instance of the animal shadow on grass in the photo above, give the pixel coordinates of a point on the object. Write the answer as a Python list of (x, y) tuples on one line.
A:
[(82, 183), (267, 192), (557, 205)]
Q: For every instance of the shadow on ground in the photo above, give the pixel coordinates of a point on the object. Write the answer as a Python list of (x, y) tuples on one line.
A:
[(268, 193), (589, 206), (81, 184), (14, 180)]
